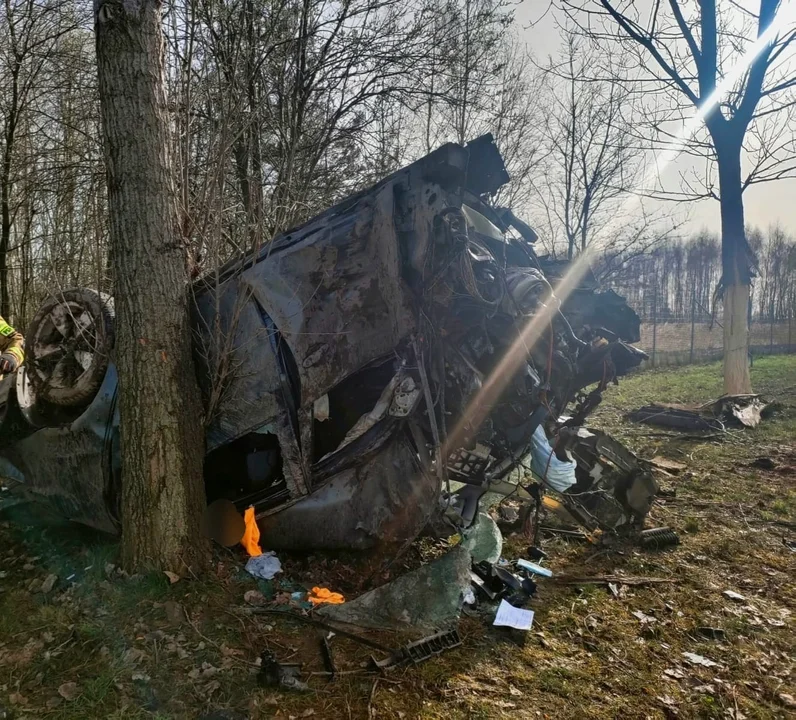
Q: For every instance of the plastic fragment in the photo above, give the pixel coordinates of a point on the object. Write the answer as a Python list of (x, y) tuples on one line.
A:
[(534, 568)]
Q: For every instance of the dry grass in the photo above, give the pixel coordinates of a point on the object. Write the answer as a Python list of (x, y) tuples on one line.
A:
[(144, 648)]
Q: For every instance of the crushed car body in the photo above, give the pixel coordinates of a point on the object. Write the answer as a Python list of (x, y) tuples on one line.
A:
[(343, 368)]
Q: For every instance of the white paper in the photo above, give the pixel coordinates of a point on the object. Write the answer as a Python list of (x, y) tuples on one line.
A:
[(509, 616)]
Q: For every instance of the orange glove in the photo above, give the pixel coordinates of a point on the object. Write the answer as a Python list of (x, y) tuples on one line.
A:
[(323, 595)]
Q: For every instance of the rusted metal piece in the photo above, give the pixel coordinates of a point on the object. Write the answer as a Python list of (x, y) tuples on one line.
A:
[(727, 411)]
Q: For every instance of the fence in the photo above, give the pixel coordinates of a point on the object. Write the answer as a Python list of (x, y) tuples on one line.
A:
[(680, 341)]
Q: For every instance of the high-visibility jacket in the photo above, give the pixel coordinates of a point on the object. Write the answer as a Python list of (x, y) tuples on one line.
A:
[(11, 342)]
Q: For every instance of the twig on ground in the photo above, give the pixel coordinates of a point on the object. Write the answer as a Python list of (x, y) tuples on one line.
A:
[(619, 579), (371, 711)]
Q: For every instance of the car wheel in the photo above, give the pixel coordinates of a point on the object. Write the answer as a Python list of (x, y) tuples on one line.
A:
[(68, 346)]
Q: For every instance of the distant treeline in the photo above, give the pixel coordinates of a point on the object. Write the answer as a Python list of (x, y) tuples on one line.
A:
[(679, 277)]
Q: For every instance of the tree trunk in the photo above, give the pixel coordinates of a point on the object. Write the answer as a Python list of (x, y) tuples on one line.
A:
[(736, 271), (161, 430), (5, 198)]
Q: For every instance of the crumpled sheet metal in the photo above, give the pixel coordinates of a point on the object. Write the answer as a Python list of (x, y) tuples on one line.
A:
[(383, 498), (69, 465), (728, 410), (398, 399), (232, 331), (336, 294)]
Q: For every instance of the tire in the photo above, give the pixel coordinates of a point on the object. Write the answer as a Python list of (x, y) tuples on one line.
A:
[(68, 346)]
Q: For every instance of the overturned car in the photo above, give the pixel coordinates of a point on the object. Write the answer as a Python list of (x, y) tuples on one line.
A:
[(365, 375)]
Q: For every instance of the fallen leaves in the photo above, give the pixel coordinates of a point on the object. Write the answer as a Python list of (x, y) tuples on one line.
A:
[(174, 612), (254, 597), (643, 618), (787, 700), (49, 583), (173, 577), (69, 691)]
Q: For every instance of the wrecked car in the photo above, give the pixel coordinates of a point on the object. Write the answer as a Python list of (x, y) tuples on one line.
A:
[(344, 368)]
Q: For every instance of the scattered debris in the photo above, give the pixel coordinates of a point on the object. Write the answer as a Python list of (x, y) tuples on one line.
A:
[(173, 577), (674, 673), (671, 416), (712, 633), (747, 410), (264, 566), (274, 674), (732, 595), (643, 618), (496, 582), (428, 598), (614, 489), (534, 568), (695, 659), (727, 411)]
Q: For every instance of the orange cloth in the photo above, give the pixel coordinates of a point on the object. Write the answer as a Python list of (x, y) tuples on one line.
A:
[(251, 535), (323, 595)]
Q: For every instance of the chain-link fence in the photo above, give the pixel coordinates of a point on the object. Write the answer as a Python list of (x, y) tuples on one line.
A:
[(672, 340)]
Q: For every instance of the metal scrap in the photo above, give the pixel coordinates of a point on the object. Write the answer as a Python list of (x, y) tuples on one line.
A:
[(718, 415), (420, 650)]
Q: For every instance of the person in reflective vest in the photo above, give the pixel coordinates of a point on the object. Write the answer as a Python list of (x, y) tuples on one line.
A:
[(12, 348)]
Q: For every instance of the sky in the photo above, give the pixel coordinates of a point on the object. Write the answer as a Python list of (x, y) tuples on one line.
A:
[(764, 205)]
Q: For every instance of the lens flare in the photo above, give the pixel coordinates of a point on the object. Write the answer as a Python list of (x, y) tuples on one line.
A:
[(517, 353)]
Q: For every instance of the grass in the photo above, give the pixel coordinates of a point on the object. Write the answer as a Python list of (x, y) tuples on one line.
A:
[(136, 648)]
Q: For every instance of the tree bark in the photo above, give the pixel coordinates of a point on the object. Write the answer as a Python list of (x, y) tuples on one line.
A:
[(162, 444), (10, 127), (736, 271)]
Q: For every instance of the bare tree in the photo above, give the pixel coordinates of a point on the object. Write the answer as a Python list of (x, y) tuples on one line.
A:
[(162, 444), (685, 50), (30, 37), (593, 160)]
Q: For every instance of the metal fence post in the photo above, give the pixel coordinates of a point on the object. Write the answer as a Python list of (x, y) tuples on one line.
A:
[(654, 320), (771, 335), (693, 323)]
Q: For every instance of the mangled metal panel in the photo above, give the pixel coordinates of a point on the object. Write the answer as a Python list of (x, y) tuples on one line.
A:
[(337, 295), (239, 371), (73, 465), (386, 496)]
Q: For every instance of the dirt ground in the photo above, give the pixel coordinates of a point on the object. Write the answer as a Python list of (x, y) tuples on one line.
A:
[(77, 640)]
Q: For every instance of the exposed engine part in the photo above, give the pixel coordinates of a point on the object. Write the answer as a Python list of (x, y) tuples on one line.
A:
[(656, 538)]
